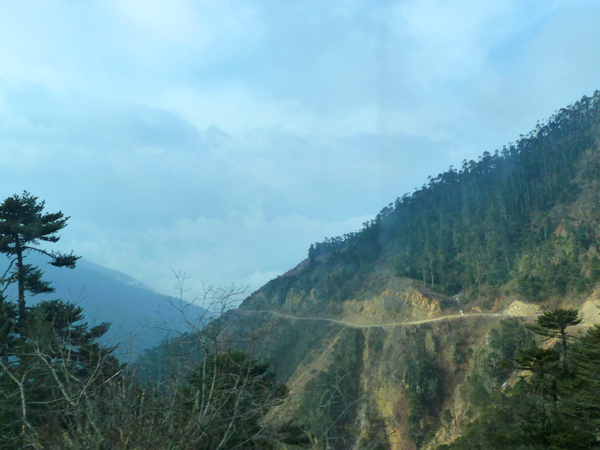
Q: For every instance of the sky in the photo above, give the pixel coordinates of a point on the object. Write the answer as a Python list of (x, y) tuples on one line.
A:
[(222, 138)]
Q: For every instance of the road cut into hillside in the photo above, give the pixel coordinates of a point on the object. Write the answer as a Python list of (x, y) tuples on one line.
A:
[(378, 325)]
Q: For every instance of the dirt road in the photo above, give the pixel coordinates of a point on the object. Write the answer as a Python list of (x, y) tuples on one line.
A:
[(379, 325)]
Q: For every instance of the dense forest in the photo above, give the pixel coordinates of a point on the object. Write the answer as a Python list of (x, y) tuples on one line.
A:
[(490, 222), (554, 405)]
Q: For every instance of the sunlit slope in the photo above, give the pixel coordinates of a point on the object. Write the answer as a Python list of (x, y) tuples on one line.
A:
[(527, 215), (366, 310)]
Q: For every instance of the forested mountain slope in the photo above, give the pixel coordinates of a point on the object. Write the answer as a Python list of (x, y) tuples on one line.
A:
[(527, 214), (490, 245)]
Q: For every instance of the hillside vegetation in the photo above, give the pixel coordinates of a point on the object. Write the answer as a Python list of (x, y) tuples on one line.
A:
[(520, 224), (528, 213), (464, 316)]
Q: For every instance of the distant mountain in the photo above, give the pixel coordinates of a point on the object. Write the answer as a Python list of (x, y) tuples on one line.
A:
[(140, 317)]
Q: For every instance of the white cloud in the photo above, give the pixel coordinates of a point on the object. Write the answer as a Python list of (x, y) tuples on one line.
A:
[(451, 40), (198, 25), (224, 137)]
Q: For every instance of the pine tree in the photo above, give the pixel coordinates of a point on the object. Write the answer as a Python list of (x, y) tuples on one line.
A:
[(23, 224), (48, 375), (553, 324)]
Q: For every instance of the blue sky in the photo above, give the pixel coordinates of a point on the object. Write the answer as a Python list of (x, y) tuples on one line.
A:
[(222, 138)]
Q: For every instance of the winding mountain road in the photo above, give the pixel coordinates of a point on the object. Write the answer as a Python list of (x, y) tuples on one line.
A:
[(377, 325)]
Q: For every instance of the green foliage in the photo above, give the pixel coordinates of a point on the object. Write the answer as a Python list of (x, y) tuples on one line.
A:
[(495, 362), (60, 389), (328, 407), (504, 342), (423, 380), (46, 369), (595, 270), (23, 224), (550, 407), (489, 222), (553, 324), (447, 418), (555, 267), (375, 437)]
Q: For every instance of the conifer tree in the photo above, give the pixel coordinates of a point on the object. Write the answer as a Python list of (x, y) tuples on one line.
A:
[(553, 324), (23, 225)]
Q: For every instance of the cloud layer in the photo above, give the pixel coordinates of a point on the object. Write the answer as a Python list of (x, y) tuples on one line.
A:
[(222, 138)]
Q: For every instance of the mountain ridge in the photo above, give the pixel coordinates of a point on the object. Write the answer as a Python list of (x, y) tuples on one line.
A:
[(518, 225)]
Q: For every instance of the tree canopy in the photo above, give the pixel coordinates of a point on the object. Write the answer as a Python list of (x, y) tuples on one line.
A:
[(489, 221), (23, 227)]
